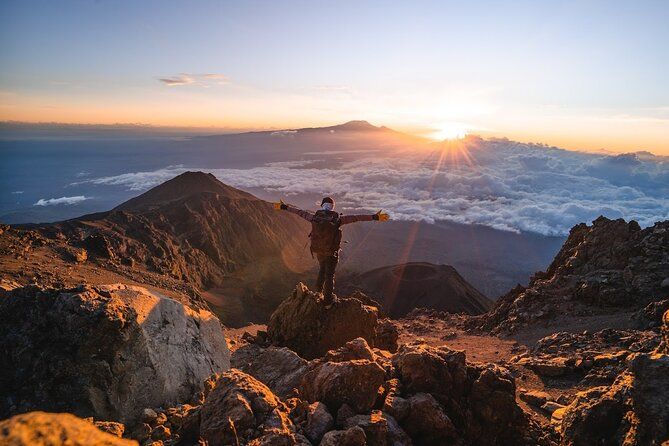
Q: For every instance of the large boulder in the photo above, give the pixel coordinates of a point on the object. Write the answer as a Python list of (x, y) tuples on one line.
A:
[(493, 410), (51, 429), (634, 411), (105, 351), (437, 370), (355, 382), (426, 421), (278, 368), (242, 410), (319, 421), (304, 325)]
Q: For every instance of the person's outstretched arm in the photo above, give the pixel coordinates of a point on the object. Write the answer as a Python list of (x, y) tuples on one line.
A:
[(308, 216), (379, 216)]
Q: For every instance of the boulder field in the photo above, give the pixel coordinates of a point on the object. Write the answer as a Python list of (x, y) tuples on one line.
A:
[(344, 390)]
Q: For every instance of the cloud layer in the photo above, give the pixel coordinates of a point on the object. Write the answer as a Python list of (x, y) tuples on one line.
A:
[(497, 183), (61, 200)]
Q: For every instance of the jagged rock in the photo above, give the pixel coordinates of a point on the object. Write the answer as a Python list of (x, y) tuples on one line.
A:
[(51, 429), (302, 323), (551, 406), (277, 437), (394, 404), (664, 345), (319, 421), (386, 336), (354, 436), (634, 411), (496, 416), (149, 415), (7, 285), (436, 370), (278, 368), (239, 406), (99, 245), (535, 397), (609, 264), (355, 383), (355, 349), (380, 429), (111, 427), (550, 366), (471, 404), (161, 433), (651, 315), (426, 422), (76, 350)]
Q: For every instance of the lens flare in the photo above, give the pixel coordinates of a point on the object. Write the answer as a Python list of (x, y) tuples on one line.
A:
[(449, 130)]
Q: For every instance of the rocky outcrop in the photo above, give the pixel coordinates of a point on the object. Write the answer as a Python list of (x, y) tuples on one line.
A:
[(633, 411), (437, 370), (302, 323), (242, 410), (463, 402), (319, 421), (380, 429), (51, 429), (632, 408), (609, 264), (353, 382), (278, 368), (104, 351)]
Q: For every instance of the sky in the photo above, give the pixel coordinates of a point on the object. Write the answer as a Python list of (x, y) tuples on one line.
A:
[(585, 75)]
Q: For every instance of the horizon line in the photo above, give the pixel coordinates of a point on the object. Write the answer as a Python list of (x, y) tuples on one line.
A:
[(243, 130)]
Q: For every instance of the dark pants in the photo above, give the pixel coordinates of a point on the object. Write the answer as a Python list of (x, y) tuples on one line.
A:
[(325, 281)]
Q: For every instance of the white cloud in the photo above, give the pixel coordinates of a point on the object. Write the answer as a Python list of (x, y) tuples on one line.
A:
[(202, 80), (497, 183), (61, 200), (182, 79)]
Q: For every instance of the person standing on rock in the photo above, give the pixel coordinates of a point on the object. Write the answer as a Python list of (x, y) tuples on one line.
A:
[(326, 239)]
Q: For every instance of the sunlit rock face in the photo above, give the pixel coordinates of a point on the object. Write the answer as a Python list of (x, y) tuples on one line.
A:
[(105, 351), (47, 429), (303, 324)]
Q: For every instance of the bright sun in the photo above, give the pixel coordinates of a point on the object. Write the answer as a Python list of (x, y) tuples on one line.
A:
[(449, 130)]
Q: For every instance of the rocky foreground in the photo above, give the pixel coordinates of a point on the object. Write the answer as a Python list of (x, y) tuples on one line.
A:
[(163, 376), (579, 357)]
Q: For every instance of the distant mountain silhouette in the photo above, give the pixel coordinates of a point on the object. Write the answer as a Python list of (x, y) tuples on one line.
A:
[(350, 126), (401, 288)]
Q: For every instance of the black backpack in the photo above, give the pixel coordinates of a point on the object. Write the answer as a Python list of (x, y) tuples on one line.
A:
[(325, 232)]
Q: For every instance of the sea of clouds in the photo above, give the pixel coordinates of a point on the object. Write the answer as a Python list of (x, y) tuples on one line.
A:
[(497, 183)]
